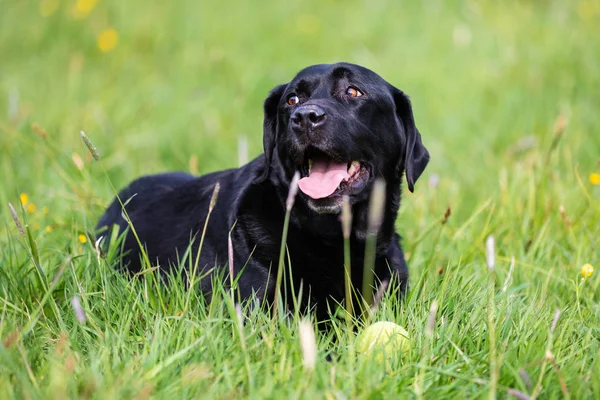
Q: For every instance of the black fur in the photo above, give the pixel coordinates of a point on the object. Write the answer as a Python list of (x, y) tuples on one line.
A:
[(377, 129)]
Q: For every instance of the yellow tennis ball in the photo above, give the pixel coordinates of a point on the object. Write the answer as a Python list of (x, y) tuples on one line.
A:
[(383, 339)]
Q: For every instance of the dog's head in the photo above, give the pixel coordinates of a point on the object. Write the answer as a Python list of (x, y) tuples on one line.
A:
[(341, 126)]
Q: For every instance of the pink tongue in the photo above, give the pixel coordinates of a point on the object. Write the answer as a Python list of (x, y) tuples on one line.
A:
[(324, 178)]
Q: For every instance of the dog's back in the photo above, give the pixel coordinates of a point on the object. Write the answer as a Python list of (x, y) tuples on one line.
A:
[(142, 190)]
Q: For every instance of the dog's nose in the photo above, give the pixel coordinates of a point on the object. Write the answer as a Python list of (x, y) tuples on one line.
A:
[(309, 116)]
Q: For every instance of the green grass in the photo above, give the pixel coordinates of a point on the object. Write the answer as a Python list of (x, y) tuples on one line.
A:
[(490, 82)]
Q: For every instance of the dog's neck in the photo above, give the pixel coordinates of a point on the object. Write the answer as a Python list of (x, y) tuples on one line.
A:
[(313, 223), (387, 226)]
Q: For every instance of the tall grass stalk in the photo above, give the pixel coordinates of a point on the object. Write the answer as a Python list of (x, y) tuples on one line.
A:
[(31, 246), (211, 207), (289, 204), (148, 266), (419, 384), (376, 207), (349, 290), (231, 266), (490, 252), (346, 232), (39, 310), (548, 357)]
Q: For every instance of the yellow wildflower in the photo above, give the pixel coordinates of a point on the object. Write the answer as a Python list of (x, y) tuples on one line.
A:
[(24, 198), (587, 270), (595, 178), (107, 40), (82, 238), (83, 7), (31, 208), (48, 7), (48, 228)]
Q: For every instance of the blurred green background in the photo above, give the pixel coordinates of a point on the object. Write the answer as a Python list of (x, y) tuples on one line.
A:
[(174, 80)]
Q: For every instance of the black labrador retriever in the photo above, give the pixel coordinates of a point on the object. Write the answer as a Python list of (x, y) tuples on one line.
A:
[(341, 126)]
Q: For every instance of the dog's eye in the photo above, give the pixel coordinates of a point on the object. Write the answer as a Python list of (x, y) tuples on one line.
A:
[(293, 100), (353, 92)]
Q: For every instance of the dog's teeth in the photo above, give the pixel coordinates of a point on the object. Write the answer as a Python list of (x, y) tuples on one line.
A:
[(354, 166), (310, 163)]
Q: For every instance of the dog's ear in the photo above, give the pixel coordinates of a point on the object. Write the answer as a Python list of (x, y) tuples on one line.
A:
[(270, 127), (416, 155)]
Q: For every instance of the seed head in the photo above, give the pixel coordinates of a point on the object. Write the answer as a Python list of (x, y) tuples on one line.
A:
[(293, 191), (213, 198), (90, 146), (376, 206), (555, 320), (79, 312), (431, 319), (15, 217), (490, 253), (308, 344), (346, 217)]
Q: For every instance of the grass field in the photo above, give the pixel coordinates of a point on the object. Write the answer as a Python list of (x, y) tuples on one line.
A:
[(506, 96)]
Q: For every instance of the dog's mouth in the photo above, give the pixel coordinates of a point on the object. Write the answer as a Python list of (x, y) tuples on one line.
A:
[(324, 176)]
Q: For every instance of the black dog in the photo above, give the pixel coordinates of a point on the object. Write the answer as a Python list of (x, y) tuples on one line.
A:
[(341, 126)]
